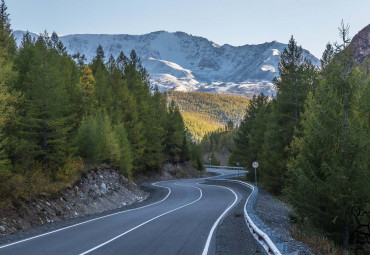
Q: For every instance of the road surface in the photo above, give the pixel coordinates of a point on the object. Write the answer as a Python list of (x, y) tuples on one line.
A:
[(183, 222)]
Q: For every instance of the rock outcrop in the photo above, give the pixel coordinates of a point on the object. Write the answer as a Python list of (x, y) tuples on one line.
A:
[(96, 191), (361, 44)]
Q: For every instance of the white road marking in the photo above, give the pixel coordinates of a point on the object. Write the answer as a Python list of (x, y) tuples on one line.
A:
[(81, 223), (142, 224), (206, 247)]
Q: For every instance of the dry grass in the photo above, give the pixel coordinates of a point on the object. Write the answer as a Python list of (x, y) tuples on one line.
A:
[(319, 243)]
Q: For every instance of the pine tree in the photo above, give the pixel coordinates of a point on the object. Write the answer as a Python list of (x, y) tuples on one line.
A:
[(328, 170), (125, 158), (122, 62), (175, 131), (154, 133), (87, 91), (103, 90), (8, 101), (57, 44), (46, 118), (292, 86), (246, 150), (7, 42)]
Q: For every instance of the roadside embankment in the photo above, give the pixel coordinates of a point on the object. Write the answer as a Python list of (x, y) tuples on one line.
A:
[(96, 191)]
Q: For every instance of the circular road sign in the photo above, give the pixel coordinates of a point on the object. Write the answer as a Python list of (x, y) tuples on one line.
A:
[(255, 164)]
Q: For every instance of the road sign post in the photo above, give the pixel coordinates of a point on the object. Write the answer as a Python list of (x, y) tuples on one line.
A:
[(255, 166)]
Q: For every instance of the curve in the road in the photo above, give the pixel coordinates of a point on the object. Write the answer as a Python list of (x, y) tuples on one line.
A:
[(209, 238), (88, 221), (176, 224), (142, 224)]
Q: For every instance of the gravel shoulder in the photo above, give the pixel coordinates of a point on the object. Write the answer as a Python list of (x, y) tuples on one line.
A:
[(232, 234), (155, 194), (275, 214)]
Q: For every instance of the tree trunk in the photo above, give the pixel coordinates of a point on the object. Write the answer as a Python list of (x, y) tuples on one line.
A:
[(44, 143), (345, 121), (346, 237)]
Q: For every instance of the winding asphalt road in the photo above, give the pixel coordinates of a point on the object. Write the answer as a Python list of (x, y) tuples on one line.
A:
[(183, 222)]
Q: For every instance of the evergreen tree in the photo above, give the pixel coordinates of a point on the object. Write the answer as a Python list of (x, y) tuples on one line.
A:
[(87, 94), (175, 131), (57, 44), (8, 101), (328, 170), (103, 89), (154, 133), (122, 62), (45, 121), (125, 158), (7, 42), (292, 88), (250, 133)]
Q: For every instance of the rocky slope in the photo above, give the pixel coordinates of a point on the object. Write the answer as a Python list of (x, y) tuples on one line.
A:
[(97, 191), (179, 61), (361, 44)]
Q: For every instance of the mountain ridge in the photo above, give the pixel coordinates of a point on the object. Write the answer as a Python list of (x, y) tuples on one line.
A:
[(180, 61)]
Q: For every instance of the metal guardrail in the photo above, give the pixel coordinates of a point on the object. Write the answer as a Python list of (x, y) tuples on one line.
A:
[(270, 241), (225, 167)]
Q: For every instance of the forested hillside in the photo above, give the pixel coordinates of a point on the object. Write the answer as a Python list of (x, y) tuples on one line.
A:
[(57, 116), (313, 141), (206, 112)]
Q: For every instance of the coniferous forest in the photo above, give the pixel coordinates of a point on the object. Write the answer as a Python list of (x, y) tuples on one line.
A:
[(312, 140), (59, 115), (207, 112)]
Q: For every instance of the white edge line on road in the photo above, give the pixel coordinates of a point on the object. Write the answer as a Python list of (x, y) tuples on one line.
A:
[(206, 247), (142, 224), (102, 217)]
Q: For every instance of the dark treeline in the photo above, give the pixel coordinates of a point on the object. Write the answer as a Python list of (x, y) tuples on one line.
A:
[(313, 139), (58, 114), (220, 140)]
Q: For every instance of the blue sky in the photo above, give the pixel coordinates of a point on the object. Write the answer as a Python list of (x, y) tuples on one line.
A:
[(236, 22)]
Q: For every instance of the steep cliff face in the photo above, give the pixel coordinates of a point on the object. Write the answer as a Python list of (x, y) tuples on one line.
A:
[(361, 44)]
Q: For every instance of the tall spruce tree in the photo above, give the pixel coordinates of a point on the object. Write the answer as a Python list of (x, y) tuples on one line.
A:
[(8, 99), (292, 88), (328, 172), (247, 144)]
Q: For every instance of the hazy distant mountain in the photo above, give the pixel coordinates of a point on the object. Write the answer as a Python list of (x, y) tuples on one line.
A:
[(179, 61)]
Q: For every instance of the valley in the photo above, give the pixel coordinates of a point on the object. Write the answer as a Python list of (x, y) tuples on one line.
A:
[(207, 112)]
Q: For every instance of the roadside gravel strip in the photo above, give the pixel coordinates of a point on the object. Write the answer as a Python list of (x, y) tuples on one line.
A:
[(275, 214), (232, 234), (156, 194)]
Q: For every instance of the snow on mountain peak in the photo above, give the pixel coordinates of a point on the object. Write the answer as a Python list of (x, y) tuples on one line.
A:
[(179, 61), (275, 52)]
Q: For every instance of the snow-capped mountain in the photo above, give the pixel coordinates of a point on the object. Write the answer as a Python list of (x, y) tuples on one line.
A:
[(179, 61)]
